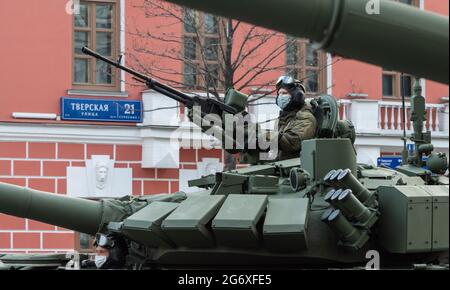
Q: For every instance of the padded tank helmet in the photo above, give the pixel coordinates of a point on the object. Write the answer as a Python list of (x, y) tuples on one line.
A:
[(295, 88), (117, 247), (288, 82)]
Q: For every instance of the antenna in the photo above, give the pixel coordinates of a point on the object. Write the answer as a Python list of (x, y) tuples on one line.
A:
[(405, 150)]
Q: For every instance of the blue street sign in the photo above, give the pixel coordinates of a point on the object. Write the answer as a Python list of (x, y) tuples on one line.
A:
[(391, 162), (394, 161), (101, 110), (411, 147)]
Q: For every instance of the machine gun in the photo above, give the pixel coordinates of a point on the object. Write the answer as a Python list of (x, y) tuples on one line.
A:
[(208, 105), (209, 109)]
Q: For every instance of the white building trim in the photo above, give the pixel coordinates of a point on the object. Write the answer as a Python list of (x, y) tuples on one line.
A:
[(439, 142), (122, 43), (26, 132), (329, 74), (423, 83)]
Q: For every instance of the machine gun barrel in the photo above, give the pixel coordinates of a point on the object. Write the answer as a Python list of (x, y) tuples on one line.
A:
[(166, 90)]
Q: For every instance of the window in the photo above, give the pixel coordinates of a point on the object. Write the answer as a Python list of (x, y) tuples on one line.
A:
[(201, 50), (96, 26), (409, 2), (388, 84), (393, 83), (305, 63)]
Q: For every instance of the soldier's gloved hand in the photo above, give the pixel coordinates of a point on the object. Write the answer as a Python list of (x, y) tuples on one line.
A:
[(190, 114), (88, 264)]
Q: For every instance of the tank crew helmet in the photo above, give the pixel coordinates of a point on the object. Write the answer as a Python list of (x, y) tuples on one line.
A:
[(104, 241), (117, 251), (295, 99)]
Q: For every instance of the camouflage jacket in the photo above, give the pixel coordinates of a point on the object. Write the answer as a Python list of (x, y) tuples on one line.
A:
[(293, 128)]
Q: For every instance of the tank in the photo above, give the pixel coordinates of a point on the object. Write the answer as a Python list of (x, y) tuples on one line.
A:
[(318, 210), (275, 214), (321, 209)]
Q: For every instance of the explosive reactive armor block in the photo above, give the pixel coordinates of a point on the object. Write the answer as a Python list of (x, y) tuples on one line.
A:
[(145, 226), (236, 223), (187, 225), (285, 225)]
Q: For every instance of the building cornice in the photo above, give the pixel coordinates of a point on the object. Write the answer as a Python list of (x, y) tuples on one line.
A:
[(30, 132)]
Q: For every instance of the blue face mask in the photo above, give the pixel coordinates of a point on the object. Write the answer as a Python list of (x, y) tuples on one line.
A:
[(283, 101)]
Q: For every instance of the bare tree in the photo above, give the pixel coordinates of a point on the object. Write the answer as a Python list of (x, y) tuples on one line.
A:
[(235, 46)]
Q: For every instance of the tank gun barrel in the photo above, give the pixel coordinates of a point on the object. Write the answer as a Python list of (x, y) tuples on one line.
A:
[(392, 35), (72, 213)]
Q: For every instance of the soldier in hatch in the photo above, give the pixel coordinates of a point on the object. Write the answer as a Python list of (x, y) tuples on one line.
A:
[(110, 253), (296, 122)]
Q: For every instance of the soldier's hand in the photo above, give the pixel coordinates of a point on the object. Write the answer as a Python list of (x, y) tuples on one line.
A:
[(190, 114), (88, 264)]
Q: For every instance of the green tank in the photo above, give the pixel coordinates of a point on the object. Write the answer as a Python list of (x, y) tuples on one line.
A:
[(319, 210)]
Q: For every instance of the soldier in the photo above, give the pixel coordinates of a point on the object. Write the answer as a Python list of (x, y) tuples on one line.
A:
[(296, 122), (110, 253)]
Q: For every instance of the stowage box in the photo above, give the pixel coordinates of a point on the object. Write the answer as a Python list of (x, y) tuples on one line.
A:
[(440, 216), (414, 218)]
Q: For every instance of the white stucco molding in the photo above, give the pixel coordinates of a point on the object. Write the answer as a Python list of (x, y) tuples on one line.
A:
[(122, 43), (364, 115), (27, 132), (99, 179), (394, 141), (329, 74)]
